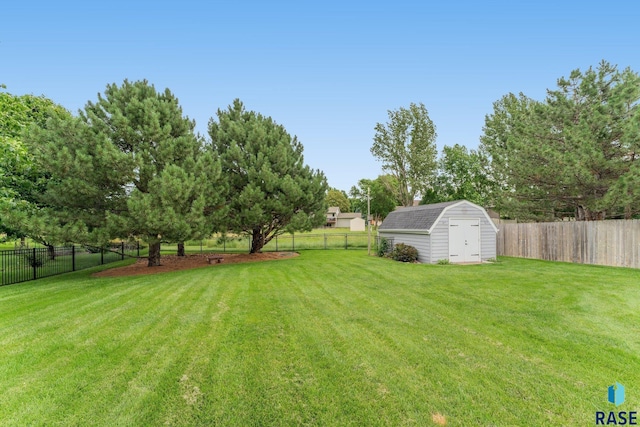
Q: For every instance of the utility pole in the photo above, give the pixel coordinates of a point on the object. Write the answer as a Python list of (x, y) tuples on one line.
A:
[(369, 220)]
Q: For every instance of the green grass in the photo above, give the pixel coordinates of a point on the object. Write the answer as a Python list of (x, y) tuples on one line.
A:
[(14, 244), (328, 338)]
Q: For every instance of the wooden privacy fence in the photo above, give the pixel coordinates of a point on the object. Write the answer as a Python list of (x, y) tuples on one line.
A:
[(613, 242)]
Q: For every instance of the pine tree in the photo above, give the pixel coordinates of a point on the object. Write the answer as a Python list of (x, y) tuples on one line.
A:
[(132, 166), (271, 190), (573, 154)]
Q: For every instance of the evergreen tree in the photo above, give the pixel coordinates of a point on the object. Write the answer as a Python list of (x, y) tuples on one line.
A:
[(131, 166), (272, 191), (573, 154)]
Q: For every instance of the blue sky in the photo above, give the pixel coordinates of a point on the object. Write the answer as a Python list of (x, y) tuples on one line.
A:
[(328, 71)]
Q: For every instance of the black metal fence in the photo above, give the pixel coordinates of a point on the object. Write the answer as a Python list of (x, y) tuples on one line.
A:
[(21, 265), (283, 242)]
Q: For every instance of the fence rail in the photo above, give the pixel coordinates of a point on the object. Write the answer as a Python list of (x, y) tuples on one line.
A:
[(612, 242), (21, 265)]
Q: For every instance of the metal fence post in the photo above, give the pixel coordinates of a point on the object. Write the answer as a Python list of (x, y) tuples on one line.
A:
[(293, 242), (325, 241), (122, 246), (276, 243), (346, 243), (73, 257), (138, 248), (101, 256), (35, 264)]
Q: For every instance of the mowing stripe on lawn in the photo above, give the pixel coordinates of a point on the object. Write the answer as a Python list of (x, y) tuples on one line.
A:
[(327, 338)]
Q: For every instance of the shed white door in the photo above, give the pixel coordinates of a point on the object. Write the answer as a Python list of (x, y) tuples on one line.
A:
[(464, 240)]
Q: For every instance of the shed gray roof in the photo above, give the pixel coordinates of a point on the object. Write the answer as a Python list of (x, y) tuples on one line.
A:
[(414, 218)]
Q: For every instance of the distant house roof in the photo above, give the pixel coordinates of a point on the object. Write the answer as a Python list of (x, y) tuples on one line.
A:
[(333, 209), (346, 215), (415, 218)]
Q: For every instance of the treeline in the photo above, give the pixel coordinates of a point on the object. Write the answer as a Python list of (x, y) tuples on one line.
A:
[(130, 164), (574, 154)]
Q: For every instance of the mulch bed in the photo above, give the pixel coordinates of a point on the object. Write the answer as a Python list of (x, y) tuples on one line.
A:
[(176, 263)]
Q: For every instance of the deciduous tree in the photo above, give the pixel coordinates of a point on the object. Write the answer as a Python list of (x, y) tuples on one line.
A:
[(406, 147), (462, 174), (338, 198), (382, 198), (21, 181)]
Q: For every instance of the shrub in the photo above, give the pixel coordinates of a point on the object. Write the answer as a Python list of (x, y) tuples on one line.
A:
[(383, 247), (404, 253), (443, 261)]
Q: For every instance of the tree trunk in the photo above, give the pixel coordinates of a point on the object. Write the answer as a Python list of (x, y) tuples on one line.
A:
[(51, 251), (181, 249), (154, 254), (257, 241)]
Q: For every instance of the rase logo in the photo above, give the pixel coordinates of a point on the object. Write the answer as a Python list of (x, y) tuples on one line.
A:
[(615, 395)]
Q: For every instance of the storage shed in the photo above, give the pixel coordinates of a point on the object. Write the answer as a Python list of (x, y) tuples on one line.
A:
[(458, 231), (357, 224), (344, 219)]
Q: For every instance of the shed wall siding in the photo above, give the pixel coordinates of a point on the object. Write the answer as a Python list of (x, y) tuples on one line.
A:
[(440, 240), (488, 240), (418, 241)]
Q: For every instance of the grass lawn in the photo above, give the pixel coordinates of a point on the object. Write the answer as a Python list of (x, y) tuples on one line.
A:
[(329, 338)]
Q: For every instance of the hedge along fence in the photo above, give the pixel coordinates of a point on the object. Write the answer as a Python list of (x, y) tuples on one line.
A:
[(612, 242), (21, 265)]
